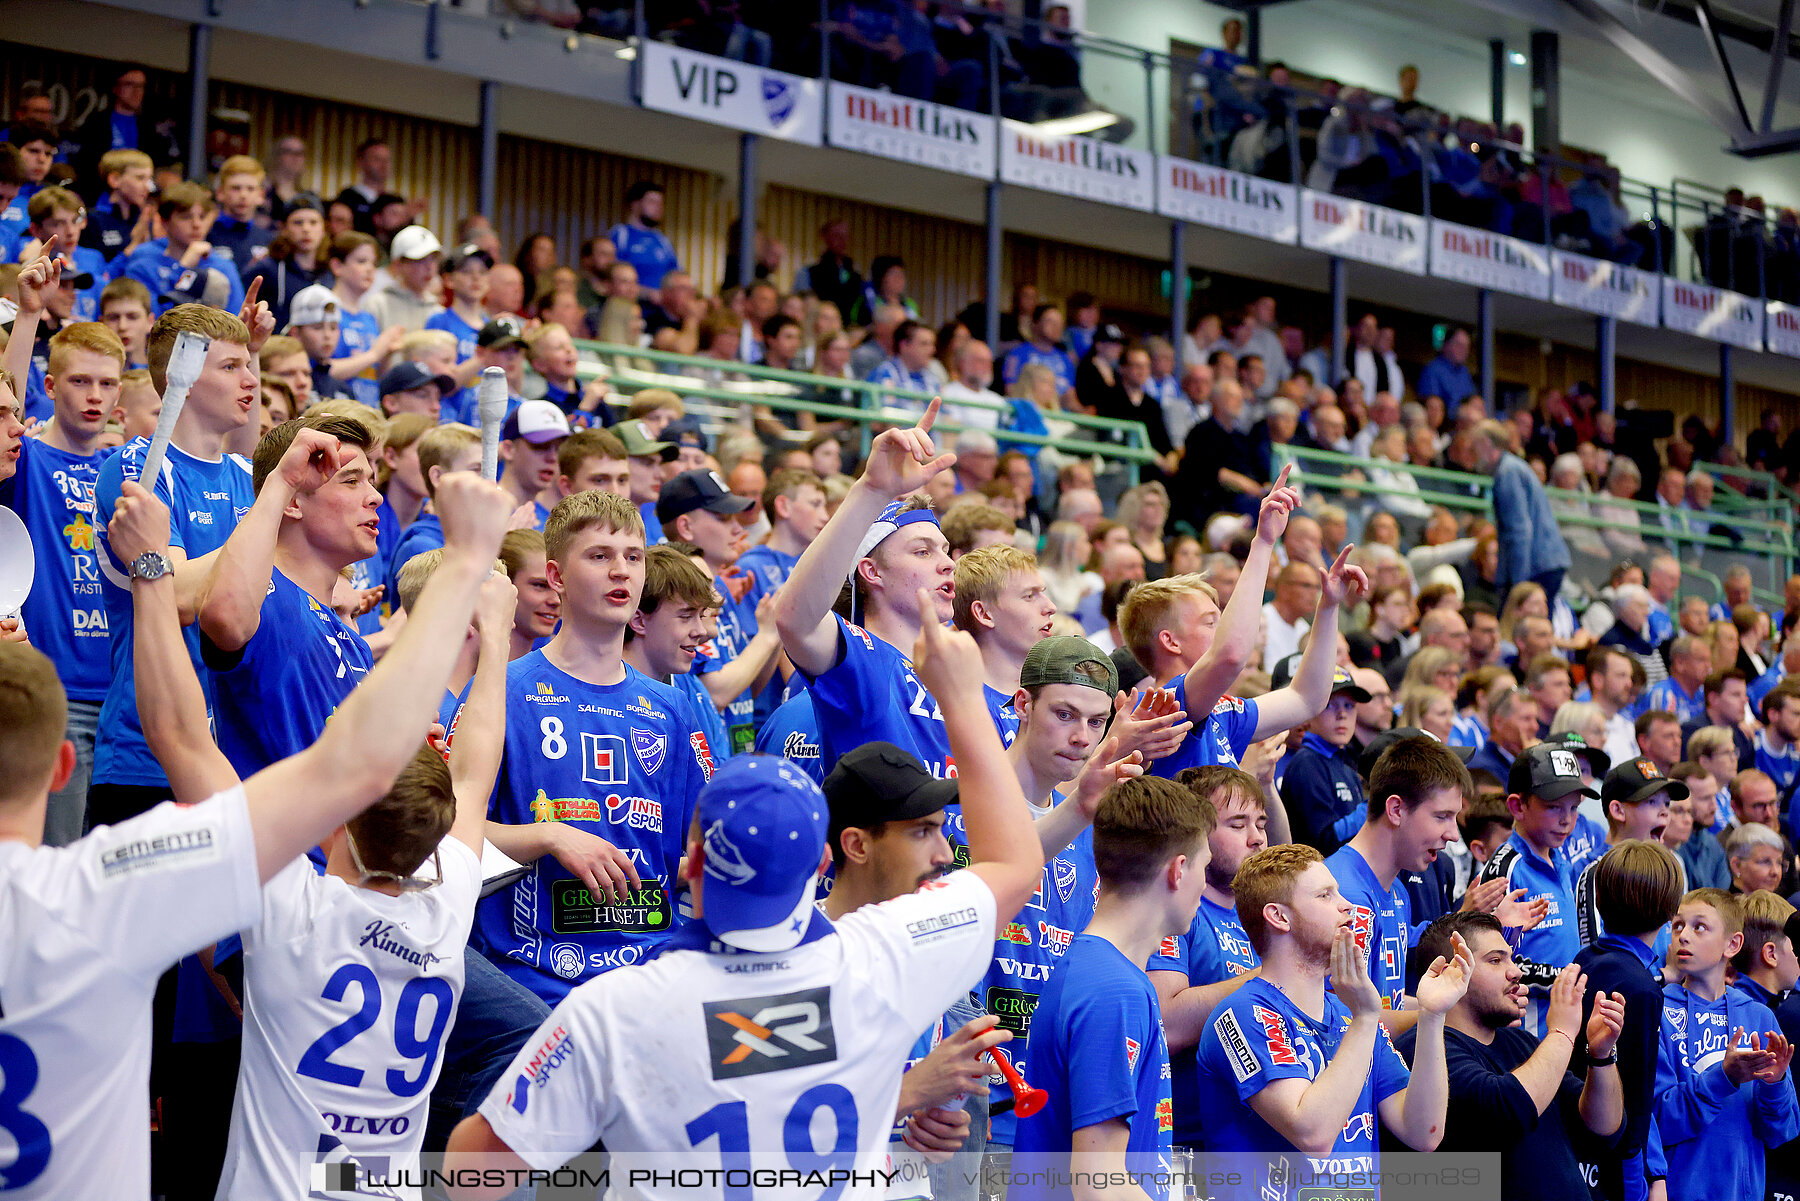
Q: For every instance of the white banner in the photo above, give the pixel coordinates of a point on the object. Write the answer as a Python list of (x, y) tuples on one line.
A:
[(1603, 288), (1489, 260), (722, 91), (1713, 313), (1365, 232), (1078, 166), (1227, 200), (1783, 328), (912, 131)]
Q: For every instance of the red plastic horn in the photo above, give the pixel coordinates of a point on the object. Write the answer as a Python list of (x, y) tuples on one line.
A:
[(1026, 1100)]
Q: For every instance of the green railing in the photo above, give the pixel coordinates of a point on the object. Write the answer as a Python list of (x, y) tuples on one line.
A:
[(731, 401), (1766, 546)]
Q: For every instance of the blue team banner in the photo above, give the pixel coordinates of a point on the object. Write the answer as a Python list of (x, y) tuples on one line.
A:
[(723, 91)]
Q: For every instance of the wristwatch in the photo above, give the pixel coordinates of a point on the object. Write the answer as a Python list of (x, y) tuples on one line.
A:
[(151, 565)]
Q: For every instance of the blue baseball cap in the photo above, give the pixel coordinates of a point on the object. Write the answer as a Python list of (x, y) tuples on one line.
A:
[(762, 828)]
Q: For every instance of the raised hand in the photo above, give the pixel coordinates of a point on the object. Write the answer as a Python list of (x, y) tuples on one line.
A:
[(351, 603), (1445, 983), (1272, 517), (1343, 584), (309, 462), (256, 316), (39, 280), (1606, 1024), (1564, 1013), (1780, 1053), (946, 661), (1154, 726), (140, 523), (738, 581), (498, 602), (1262, 758), (1104, 768), (1515, 911), (903, 459), (1745, 1058), (1350, 976), (524, 517), (474, 513)]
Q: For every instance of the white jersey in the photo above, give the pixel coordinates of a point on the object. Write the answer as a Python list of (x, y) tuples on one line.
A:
[(85, 930), (788, 1061), (349, 994)]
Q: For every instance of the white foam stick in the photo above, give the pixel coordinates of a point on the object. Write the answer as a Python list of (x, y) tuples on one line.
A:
[(490, 402), (185, 362)]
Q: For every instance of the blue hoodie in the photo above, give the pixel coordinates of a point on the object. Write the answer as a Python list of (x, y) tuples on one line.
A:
[(1324, 794), (1695, 1098)]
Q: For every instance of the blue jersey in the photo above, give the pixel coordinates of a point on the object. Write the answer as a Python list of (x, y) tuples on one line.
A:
[(1688, 707), (1100, 1054), (1382, 920), (1057, 359), (768, 568), (621, 761), (707, 718), (792, 732), (303, 656), (1467, 731), (1201, 957), (1584, 845), (872, 695), (446, 319), (356, 334), (1218, 738), (87, 301), (736, 627), (373, 571), (1000, 708), (1782, 766), (653, 531), (1258, 1036), (649, 250), (425, 533), (1029, 950), (65, 615), (153, 266), (1555, 940), (206, 500)]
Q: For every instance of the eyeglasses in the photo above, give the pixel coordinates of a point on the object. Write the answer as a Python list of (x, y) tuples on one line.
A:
[(403, 883)]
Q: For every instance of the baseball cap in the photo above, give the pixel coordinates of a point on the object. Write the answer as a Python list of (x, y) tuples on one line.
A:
[(1551, 770), (311, 305), (685, 432), (501, 333), (698, 490), (79, 280), (880, 782), (303, 201), (1636, 780), (1343, 685), (1060, 659), (404, 377), (536, 421), (889, 522), (414, 242), (639, 443), (1109, 333), (1378, 745), (454, 260), (762, 827), (1598, 760)]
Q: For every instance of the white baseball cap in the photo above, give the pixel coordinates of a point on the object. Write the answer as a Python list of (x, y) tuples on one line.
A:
[(414, 242), (311, 306), (535, 421)]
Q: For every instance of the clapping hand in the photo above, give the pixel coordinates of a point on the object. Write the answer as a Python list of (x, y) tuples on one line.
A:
[(1446, 981)]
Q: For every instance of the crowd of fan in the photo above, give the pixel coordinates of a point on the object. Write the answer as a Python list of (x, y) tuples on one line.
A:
[(1676, 719)]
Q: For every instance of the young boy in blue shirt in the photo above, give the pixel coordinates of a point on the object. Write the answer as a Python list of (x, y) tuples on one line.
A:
[(1097, 1042), (1723, 1095), (1320, 787)]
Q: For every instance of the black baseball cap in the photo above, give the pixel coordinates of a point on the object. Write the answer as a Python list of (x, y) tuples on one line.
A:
[(455, 258), (685, 431), (880, 782), (1379, 744), (1551, 770), (1109, 333), (499, 334), (1637, 780), (303, 201), (404, 377), (693, 490), (1343, 684), (1599, 762)]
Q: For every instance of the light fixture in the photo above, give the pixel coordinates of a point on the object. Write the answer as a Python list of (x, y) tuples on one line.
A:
[(1516, 58), (1088, 122)]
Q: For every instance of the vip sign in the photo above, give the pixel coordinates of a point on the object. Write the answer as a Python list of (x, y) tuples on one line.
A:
[(1713, 313), (1365, 232), (722, 91), (912, 131), (1602, 288), (1078, 166), (1227, 200)]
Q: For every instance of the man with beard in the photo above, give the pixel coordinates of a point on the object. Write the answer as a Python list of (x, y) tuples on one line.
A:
[(1266, 1059), (640, 241), (1504, 1080)]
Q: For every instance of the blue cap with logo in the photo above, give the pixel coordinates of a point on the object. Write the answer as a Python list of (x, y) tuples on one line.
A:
[(762, 828)]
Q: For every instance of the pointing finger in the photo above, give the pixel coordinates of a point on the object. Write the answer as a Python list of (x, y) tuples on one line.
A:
[(931, 412)]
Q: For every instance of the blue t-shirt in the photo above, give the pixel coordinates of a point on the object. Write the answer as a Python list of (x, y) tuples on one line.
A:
[(65, 615), (425, 533), (87, 301), (206, 500), (1690, 707), (1100, 1054), (649, 250), (653, 531), (1000, 708), (792, 732), (707, 718), (1258, 1036), (1201, 955), (1057, 359), (768, 567), (373, 570), (621, 761), (153, 266), (736, 627), (356, 334), (1381, 918), (872, 695), (1028, 951), (446, 319), (1783, 768), (1466, 731), (275, 694), (1219, 738)]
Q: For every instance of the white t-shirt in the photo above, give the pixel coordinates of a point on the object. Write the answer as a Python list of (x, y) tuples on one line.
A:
[(774, 1061), (349, 994), (975, 415), (1282, 639), (85, 930)]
